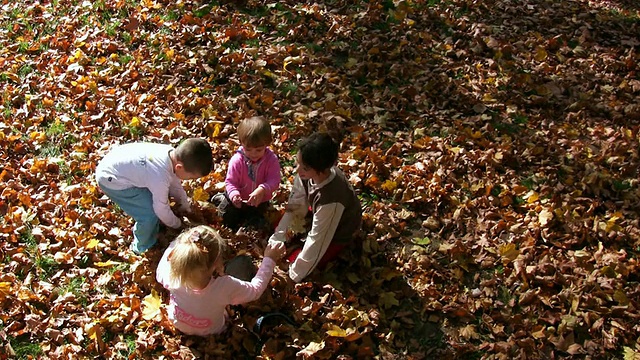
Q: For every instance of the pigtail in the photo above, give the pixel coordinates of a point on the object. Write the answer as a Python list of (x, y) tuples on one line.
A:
[(196, 251)]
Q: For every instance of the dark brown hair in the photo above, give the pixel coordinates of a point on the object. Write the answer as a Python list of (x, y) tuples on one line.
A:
[(195, 155)]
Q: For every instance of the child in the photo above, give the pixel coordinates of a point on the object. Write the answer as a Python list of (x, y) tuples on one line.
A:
[(252, 176), (322, 188), (140, 177), (188, 270)]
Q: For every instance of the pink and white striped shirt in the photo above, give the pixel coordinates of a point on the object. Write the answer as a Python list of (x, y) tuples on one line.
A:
[(202, 312)]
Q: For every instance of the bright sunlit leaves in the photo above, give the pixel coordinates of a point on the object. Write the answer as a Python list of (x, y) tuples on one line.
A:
[(92, 244), (199, 194), (5, 290), (336, 331), (151, 305), (544, 217), (494, 155), (135, 122)]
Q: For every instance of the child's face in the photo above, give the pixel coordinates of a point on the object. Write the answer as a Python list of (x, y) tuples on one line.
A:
[(305, 172), (254, 153)]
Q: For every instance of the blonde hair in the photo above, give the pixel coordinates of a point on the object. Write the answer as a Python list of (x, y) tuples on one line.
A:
[(196, 251)]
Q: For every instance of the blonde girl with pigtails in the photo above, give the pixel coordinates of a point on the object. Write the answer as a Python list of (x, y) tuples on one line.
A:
[(192, 269)]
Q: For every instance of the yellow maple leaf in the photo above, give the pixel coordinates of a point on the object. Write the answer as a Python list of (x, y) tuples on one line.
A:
[(611, 223), (509, 252), (135, 122), (389, 185), (5, 290), (92, 330), (37, 135), (151, 305), (532, 196), (630, 354), (200, 195), (105, 264), (541, 54), (92, 244), (216, 131), (336, 331)]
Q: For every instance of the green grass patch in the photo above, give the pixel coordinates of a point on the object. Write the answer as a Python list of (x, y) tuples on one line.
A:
[(507, 128), (288, 88), (621, 185), (529, 182), (57, 139), (44, 265), (202, 11), (111, 28), (256, 11), (65, 172), (74, 286), (367, 198), (126, 58), (172, 15), (23, 47), (55, 128), (134, 132), (30, 242), (50, 150), (520, 119), (25, 348), (314, 47), (25, 70)]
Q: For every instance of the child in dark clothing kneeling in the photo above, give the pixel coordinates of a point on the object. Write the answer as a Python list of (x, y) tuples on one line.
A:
[(322, 188)]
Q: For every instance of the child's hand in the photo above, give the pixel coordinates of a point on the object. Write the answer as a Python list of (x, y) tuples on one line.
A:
[(275, 250), (278, 236), (196, 215), (237, 201), (255, 198)]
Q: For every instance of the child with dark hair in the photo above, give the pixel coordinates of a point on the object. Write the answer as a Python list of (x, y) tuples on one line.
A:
[(140, 177), (319, 187), (253, 175)]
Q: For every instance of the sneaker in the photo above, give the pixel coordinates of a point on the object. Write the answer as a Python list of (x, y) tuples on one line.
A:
[(218, 199), (134, 250)]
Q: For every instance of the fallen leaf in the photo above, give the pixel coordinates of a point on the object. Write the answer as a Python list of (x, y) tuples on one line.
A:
[(151, 305), (544, 217)]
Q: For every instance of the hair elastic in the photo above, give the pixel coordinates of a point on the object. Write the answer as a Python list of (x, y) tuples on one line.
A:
[(195, 237)]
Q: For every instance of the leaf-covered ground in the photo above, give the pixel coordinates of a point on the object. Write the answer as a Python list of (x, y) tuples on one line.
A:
[(494, 145)]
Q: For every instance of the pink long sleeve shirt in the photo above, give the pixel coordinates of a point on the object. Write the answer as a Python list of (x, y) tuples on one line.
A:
[(244, 176), (203, 312)]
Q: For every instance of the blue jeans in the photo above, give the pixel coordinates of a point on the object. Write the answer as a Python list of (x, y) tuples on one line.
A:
[(138, 203)]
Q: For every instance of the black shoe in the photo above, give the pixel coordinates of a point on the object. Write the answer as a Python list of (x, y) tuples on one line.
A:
[(266, 322)]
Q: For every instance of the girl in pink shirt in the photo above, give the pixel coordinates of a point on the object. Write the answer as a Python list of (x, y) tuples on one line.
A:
[(253, 175), (192, 270)]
